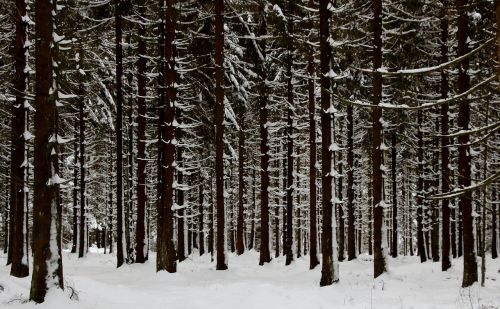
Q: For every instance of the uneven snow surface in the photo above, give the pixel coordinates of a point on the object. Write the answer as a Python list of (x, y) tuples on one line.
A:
[(197, 284)]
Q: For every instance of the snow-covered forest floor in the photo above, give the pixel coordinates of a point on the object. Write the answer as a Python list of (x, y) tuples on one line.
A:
[(98, 284)]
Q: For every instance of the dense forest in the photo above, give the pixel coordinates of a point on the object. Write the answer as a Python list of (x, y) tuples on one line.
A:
[(322, 129)]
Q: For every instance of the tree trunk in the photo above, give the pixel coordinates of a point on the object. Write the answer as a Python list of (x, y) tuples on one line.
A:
[(445, 152), (329, 272), (81, 156), (19, 151), (289, 139), (351, 229), (464, 159), (494, 220), (394, 249), (420, 189), (119, 135), (219, 133), (167, 255), (377, 179), (240, 246), (181, 250), (265, 255), (201, 231), (47, 261), (313, 229), (140, 233)]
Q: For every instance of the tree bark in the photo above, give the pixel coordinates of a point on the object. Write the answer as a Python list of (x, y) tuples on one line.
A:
[(119, 135), (377, 179), (240, 246), (328, 274), (265, 255), (47, 261), (19, 152), (420, 189), (313, 229), (81, 156), (394, 249), (445, 152), (140, 233), (167, 260), (464, 159), (219, 133)]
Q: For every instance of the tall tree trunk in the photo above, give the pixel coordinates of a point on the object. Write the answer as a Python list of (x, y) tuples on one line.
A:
[(351, 229), (140, 233), (81, 156), (240, 246), (75, 190), (494, 220), (167, 260), (289, 140), (201, 224), (219, 133), (19, 160), (445, 152), (420, 190), (119, 134), (377, 179), (254, 208), (313, 229), (464, 159), (47, 261), (394, 249), (265, 255), (329, 272), (181, 255)]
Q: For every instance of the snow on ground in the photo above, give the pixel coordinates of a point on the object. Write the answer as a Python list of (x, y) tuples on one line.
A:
[(246, 285)]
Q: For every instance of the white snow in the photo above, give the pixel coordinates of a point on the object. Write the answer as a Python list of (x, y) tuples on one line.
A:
[(245, 285)]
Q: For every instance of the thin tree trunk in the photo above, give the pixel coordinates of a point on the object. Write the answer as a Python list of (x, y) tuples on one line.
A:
[(445, 152), (219, 133), (240, 246), (81, 156), (201, 231), (140, 233), (181, 255), (420, 189), (377, 177), (19, 160), (119, 135), (394, 249), (313, 229), (494, 220), (351, 246), (464, 160)]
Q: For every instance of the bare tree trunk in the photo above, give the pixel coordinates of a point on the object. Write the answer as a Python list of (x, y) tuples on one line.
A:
[(313, 216), (167, 260), (46, 203), (240, 246), (18, 157), (219, 133), (328, 274), (420, 189), (394, 249), (377, 179), (81, 156), (140, 233), (119, 134), (464, 160), (289, 139), (445, 152), (201, 224)]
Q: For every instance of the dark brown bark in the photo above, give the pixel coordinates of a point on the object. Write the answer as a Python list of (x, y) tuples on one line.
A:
[(81, 157), (464, 159), (254, 209), (288, 250), (140, 232), (394, 248), (75, 190), (219, 132), (351, 229), (420, 189), (18, 255), (265, 255), (313, 219), (181, 256), (46, 203), (494, 221), (379, 265), (119, 134), (201, 224), (327, 271), (167, 255), (445, 152), (240, 246)]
